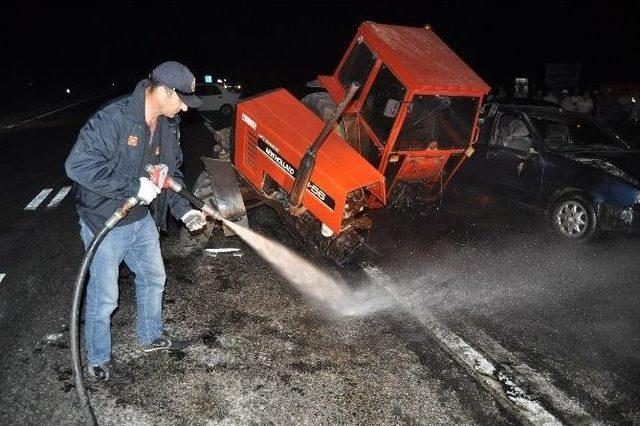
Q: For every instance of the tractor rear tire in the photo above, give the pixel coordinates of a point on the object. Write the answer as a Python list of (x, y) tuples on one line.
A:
[(321, 104)]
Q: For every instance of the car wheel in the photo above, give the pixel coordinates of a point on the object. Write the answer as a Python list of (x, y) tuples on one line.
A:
[(574, 218), (226, 110)]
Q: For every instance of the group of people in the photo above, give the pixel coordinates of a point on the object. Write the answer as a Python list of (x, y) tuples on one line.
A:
[(576, 101), (613, 108), (605, 105)]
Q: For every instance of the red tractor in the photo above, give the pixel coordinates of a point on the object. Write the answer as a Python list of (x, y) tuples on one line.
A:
[(400, 112)]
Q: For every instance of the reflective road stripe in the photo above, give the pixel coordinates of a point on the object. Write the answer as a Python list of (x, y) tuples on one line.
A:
[(59, 197), (39, 199)]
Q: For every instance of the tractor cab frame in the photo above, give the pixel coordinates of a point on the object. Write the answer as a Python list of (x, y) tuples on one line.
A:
[(417, 111), (404, 108)]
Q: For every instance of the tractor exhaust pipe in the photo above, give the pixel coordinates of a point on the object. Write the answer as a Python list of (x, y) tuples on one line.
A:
[(308, 162)]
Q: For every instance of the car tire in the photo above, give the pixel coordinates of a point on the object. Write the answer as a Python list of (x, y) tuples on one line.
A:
[(226, 110), (574, 218)]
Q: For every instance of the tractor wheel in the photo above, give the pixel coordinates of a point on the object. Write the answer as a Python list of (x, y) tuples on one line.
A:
[(320, 103), (574, 218), (226, 110)]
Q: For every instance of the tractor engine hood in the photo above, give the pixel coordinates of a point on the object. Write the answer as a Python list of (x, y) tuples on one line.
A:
[(274, 131)]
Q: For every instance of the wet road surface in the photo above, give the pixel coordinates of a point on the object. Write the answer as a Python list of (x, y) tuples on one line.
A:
[(495, 317)]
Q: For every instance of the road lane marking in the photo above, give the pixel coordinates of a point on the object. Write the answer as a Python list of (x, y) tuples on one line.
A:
[(504, 383), (55, 202), (2, 277), (574, 413), (38, 199), (11, 126)]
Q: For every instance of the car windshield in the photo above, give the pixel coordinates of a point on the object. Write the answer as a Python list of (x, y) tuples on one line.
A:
[(441, 122), (576, 132)]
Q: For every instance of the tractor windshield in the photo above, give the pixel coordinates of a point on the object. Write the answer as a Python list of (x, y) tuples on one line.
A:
[(437, 122), (357, 65)]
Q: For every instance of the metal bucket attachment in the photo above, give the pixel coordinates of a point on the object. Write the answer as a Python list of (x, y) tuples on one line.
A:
[(225, 193)]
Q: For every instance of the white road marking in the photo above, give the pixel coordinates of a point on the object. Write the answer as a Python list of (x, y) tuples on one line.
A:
[(10, 126), (537, 383), (504, 383), (55, 202), (39, 199), (2, 277)]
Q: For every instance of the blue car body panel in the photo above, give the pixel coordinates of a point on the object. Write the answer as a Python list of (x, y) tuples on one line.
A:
[(610, 179)]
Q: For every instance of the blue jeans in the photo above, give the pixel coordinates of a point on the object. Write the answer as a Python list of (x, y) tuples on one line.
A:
[(138, 244)]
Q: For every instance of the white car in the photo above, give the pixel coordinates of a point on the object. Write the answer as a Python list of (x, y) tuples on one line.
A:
[(216, 98)]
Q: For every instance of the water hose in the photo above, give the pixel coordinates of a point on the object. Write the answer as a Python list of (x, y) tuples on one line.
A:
[(122, 211)]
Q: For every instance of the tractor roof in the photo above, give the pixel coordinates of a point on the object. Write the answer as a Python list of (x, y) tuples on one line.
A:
[(421, 59)]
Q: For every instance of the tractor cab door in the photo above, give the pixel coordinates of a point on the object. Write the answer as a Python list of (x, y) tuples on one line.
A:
[(377, 118), (433, 131)]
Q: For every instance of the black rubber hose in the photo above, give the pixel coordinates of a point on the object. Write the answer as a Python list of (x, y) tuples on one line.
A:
[(79, 287), (74, 338), (75, 309), (195, 201)]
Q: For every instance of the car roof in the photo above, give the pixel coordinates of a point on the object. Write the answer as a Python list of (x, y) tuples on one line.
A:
[(525, 102), (542, 107)]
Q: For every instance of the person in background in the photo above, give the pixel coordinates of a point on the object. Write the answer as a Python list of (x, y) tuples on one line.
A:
[(567, 102), (550, 97), (584, 103)]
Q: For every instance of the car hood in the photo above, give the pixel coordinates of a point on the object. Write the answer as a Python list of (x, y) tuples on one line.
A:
[(625, 165)]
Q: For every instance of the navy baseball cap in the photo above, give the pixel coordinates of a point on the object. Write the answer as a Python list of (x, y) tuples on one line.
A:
[(176, 76)]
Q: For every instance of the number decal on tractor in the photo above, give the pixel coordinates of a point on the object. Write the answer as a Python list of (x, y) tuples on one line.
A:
[(284, 165)]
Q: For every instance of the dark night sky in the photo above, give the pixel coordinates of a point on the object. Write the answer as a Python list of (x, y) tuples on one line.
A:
[(268, 44)]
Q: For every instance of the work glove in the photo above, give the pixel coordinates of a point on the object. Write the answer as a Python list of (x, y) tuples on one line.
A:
[(194, 220), (147, 191)]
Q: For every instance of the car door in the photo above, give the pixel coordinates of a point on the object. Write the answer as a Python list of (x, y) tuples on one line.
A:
[(513, 167), (476, 174)]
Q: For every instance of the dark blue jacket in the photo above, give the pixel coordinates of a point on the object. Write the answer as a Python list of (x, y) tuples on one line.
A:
[(110, 155)]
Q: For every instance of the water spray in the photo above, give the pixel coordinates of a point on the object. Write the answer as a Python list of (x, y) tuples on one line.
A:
[(318, 286)]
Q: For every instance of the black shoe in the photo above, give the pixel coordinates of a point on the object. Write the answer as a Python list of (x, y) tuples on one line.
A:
[(109, 373), (166, 344)]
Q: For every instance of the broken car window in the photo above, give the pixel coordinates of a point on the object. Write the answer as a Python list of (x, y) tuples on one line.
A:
[(576, 132)]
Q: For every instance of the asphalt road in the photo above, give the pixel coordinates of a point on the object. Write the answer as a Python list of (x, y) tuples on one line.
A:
[(496, 320)]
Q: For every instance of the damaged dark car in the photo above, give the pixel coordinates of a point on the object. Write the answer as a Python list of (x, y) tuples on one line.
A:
[(563, 164)]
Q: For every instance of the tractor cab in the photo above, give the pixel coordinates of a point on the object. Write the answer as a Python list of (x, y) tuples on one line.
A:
[(416, 113)]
